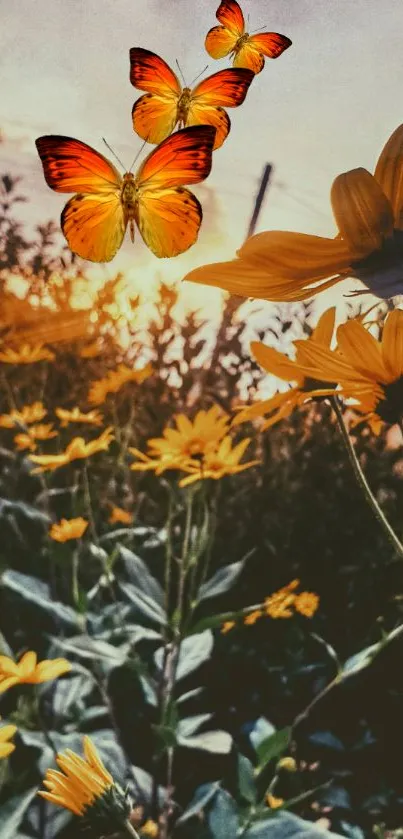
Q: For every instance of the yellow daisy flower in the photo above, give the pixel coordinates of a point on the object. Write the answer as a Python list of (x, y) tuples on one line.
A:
[(273, 802), (227, 626), (115, 380), (27, 440), (68, 529), (120, 516), (306, 603), (279, 265), (77, 449), (26, 354), (75, 415), (29, 671), (28, 414), (190, 439), (281, 405), (149, 828), (6, 733), (216, 464), (86, 788)]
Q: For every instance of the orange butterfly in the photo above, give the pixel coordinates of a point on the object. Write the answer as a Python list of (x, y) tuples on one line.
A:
[(247, 50), (166, 104), (167, 215)]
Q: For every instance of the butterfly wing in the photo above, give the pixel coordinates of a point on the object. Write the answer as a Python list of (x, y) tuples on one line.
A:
[(252, 52), (155, 114), (226, 88), (93, 221), (169, 216), (71, 166), (221, 40)]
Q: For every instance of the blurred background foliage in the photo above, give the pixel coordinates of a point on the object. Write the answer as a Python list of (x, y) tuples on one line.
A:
[(298, 515)]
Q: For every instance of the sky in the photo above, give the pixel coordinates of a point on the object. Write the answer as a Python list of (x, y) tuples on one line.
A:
[(328, 104)]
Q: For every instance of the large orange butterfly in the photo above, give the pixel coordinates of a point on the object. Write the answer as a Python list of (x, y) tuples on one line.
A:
[(167, 215), (247, 50), (167, 104)]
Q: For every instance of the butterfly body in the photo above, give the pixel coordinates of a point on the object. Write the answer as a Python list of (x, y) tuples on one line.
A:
[(167, 214), (230, 38), (166, 104)]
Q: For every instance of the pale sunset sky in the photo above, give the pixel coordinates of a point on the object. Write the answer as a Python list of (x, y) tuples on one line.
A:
[(328, 104)]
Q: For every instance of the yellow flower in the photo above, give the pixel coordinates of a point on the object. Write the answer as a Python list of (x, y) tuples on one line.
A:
[(29, 413), (91, 350), (149, 828), (250, 619), (115, 380), (279, 265), (77, 449), (367, 370), (75, 415), (26, 440), (26, 354), (227, 626), (306, 603), (190, 439), (281, 405), (29, 671), (119, 516), (6, 732), (217, 464), (86, 788), (68, 529), (278, 604), (274, 802)]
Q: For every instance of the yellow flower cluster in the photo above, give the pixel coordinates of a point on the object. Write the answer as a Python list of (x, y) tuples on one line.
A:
[(114, 380), (284, 603), (202, 448)]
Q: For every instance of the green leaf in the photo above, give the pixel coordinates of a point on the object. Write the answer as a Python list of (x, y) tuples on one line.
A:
[(92, 648), (223, 819), (202, 796), (13, 811), (262, 729), (140, 576), (143, 603), (217, 742), (284, 825), (38, 593), (272, 747), (194, 651), (246, 779), (189, 725), (221, 581)]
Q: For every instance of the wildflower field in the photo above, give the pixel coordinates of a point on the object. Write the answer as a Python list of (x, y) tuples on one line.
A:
[(201, 538)]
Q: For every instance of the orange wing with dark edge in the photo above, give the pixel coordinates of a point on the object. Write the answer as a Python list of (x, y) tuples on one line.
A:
[(226, 88), (155, 114), (93, 221), (168, 215), (221, 40), (251, 54), (71, 166)]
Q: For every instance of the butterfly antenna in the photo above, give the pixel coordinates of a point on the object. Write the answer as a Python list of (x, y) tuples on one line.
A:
[(259, 29), (138, 153), (180, 70), (198, 77), (114, 154)]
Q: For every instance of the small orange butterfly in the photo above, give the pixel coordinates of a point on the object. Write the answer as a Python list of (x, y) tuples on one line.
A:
[(167, 104), (247, 50), (167, 215)]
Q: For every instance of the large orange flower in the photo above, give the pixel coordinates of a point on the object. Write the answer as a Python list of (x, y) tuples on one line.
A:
[(279, 265), (367, 370), (281, 405)]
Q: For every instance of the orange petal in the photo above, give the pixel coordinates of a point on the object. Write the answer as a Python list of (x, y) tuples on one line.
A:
[(275, 362), (362, 351), (363, 213), (392, 343), (389, 173), (296, 256), (323, 331)]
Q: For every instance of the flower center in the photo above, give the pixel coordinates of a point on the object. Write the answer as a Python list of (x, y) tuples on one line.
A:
[(390, 409), (382, 270)]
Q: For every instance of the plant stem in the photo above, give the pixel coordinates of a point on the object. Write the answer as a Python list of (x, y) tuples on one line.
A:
[(130, 830), (362, 481)]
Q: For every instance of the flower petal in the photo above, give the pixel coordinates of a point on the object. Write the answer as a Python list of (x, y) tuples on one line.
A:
[(323, 331), (275, 362), (362, 351), (389, 173), (363, 213), (392, 343), (297, 256)]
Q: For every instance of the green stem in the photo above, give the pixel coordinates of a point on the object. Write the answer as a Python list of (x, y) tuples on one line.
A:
[(130, 830), (362, 481)]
